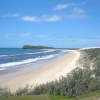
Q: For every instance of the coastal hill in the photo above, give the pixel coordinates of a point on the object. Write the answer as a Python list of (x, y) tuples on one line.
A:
[(45, 47), (36, 47)]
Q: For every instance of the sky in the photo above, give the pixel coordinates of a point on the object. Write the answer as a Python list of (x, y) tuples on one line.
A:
[(55, 23)]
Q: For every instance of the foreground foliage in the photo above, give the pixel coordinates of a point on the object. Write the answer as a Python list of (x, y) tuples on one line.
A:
[(78, 82), (94, 95)]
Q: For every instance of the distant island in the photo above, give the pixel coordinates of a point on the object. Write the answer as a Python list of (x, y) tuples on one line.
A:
[(36, 47), (45, 47)]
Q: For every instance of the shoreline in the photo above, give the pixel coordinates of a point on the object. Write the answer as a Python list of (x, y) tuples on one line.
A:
[(18, 71), (49, 72)]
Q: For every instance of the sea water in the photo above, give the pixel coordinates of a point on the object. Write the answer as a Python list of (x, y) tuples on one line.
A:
[(16, 57)]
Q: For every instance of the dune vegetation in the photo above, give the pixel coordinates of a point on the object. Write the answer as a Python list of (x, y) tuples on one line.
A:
[(82, 83)]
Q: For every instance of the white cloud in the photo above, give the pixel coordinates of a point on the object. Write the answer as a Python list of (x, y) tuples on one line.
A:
[(15, 35), (8, 35), (72, 4), (43, 18), (78, 10), (93, 38), (11, 15), (42, 35), (82, 3), (57, 39), (25, 34), (95, 1), (61, 6), (77, 14)]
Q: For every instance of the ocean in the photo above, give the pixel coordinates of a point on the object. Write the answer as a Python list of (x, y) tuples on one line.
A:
[(17, 57)]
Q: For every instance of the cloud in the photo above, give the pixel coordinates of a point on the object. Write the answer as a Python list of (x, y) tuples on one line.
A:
[(95, 1), (8, 35), (25, 34), (43, 18), (60, 39), (16, 35), (78, 13), (82, 3), (42, 35), (61, 6), (93, 38), (71, 38), (11, 15)]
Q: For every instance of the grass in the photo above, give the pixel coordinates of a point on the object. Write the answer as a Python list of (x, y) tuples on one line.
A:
[(93, 95), (29, 97)]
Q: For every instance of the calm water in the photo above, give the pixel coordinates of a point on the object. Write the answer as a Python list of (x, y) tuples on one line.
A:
[(15, 57)]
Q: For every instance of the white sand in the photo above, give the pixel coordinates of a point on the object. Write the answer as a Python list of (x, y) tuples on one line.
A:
[(47, 73)]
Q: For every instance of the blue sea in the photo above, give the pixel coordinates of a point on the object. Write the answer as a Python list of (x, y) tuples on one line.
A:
[(16, 57)]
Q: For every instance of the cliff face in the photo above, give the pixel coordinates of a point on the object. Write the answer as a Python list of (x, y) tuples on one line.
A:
[(36, 47)]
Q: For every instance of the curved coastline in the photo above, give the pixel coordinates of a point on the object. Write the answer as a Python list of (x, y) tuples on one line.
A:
[(47, 73), (28, 68)]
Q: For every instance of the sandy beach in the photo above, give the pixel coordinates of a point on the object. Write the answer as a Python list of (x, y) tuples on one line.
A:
[(47, 73)]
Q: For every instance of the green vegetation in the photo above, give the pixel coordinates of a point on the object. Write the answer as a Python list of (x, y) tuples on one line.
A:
[(94, 54), (94, 95), (46, 47), (36, 47), (81, 83)]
